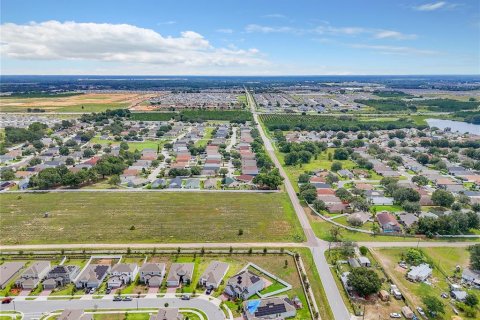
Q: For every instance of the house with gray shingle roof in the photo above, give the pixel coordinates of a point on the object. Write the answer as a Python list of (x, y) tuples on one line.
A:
[(213, 275), (180, 273), (152, 274), (244, 285), (32, 276)]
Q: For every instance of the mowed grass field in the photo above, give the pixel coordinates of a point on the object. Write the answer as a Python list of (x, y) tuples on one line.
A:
[(143, 217)]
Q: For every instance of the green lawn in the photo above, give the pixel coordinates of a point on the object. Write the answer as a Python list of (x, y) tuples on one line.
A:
[(133, 145), (322, 162), (90, 217), (86, 108), (207, 136)]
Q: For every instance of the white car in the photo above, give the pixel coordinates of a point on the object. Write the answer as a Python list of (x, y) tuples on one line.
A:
[(420, 311), (395, 315)]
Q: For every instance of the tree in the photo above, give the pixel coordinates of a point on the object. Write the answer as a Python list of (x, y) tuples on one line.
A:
[(414, 256), (114, 180), (303, 178), (405, 194), (64, 151), (223, 172), (363, 250), (475, 256), (309, 195), (471, 300), (291, 158), (411, 207), (319, 205), (7, 174), (336, 166), (422, 158), (69, 161), (442, 198), (420, 180), (364, 281), (340, 154), (336, 233), (434, 306), (88, 152)]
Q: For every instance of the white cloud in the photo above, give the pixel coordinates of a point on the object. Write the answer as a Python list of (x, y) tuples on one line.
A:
[(390, 34), (226, 30), (400, 50), (327, 29), (275, 16), (431, 6), (54, 40), (167, 22), (251, 28)]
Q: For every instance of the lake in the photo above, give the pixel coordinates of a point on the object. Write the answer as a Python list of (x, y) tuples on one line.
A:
[(462, 127)]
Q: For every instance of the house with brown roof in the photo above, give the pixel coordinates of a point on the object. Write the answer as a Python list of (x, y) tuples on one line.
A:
[(388, 222)]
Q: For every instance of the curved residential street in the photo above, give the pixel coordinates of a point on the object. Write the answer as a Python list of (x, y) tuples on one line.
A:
[(34, 309)]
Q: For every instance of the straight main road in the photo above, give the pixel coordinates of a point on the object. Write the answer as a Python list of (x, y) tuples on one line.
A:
[(317, 247)]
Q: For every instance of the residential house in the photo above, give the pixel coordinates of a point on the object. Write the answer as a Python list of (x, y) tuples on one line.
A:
[(152, 274), (408, 219), (192, 184), (73, 314), (280, 307), (419, 273), (388, 223), (167, 314), (32, 276), (8, 270), (471, 277), (60, 276), (92, 276), (180, 273), (243, 285), (364, 261), (353, 263), (122, 274), (344, 173), (213, 275), (359, 217)]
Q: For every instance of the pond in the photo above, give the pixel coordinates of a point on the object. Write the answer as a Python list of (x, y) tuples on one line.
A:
[(462, 127)]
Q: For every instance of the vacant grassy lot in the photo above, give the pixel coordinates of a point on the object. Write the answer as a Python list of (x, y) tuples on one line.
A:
[(91, 102), (90, 217), (132, 145)]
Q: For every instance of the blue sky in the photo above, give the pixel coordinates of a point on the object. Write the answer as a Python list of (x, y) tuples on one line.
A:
[(240, 37)]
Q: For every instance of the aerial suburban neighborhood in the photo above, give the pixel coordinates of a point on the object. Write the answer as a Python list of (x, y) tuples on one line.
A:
[(221, 160)]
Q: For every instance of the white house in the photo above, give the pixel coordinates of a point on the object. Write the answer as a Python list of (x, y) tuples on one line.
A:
[(152, 274), (122, 273), (419, 273)]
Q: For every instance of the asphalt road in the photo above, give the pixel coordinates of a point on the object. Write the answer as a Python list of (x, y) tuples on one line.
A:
[(317, 246), (33, 309)]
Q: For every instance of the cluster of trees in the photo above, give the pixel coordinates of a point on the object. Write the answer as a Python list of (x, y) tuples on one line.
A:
[(454, 223), (269, 176), (101, 117), (61, 176), (34, 132), (408, 198), (291, 122), (183, 172), (364, 281)]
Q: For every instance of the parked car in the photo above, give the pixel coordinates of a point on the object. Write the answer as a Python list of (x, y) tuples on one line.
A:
[(421, 312), (209, 290), (395, 315), (185, 297), (6, 300), (117, 298), (108, 290), (444, 295), (127, 299)]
